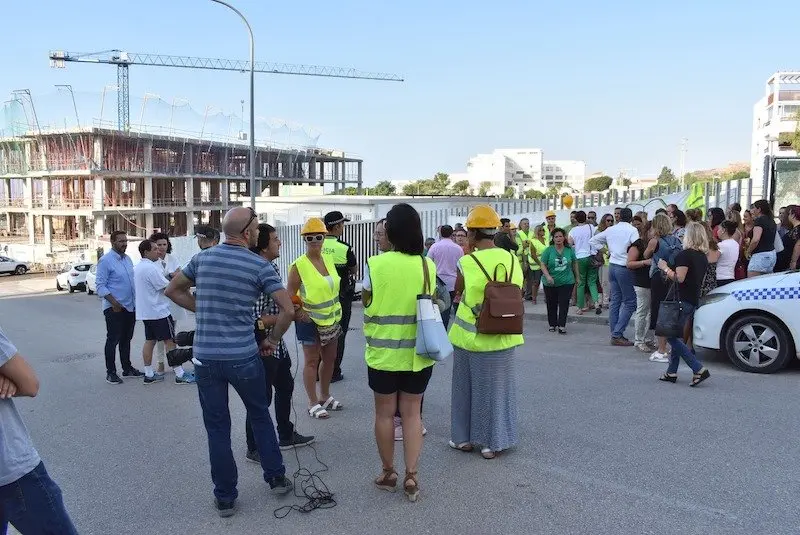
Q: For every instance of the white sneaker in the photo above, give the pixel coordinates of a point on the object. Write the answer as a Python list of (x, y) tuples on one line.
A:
[(659, 357)]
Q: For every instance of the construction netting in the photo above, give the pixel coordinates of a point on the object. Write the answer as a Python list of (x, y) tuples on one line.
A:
[(64, 109)]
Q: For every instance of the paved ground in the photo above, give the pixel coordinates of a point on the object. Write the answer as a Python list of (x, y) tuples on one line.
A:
[(606, 449)]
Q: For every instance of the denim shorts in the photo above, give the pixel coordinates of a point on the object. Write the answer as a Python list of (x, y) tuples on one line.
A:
[(306, 332), (762, 262)]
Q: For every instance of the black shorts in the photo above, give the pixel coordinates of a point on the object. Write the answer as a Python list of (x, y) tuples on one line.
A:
[(382, 382), (159, 330)]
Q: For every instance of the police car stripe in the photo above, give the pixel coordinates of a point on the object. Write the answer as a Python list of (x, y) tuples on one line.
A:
[(766, 294)]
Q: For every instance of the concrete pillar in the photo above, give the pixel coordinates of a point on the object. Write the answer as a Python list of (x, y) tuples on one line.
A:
[(30, 220), (7, 188), (97, 158), (48, 232), (336, 185), (28, 192), (190, 192), (224, 193), (99, 225), (148, 193), (189, 223), (360, 176), (188, 168), (148, 156), (45, 193), (81, 227), (149, 225)]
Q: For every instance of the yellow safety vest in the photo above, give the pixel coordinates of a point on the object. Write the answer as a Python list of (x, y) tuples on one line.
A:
[(463, 332), (522, 250), (539, 247), (390, 320), (320, 300)]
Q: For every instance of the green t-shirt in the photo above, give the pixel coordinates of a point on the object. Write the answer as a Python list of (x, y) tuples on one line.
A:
[(559, 266)]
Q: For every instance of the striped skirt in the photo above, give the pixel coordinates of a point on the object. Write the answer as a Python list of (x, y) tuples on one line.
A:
[(483, 407)]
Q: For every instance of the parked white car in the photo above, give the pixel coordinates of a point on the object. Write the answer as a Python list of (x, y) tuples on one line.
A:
[(73, 277), (755, 321), (15, 267), (91, 280)]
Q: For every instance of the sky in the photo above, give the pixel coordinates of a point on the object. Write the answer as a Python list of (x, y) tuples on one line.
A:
[(617, 84)]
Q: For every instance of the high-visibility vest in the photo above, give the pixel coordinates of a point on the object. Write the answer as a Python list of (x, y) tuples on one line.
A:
[(522, 250), (337, 250), (539, 247), (390, 320), (320, 300), (463, 332)]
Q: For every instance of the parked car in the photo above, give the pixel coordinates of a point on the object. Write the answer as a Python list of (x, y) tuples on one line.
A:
[(91, 280), (73, 277), (754, 321), (15, 267)]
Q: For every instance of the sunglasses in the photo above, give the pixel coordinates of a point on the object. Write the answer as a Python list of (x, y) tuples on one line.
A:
[(609, 220), (253, 217), (314, 237)]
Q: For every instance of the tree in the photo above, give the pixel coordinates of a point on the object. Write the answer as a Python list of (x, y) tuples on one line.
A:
[(534, 194), (598, 183), (626, 182), (553, 191), (384, 187), (460, 188), (350, 190), (484, 188), (435, 186), (509, 193), (667, 177)]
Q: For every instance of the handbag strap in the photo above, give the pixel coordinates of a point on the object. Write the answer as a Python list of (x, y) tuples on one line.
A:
[(426, 284)]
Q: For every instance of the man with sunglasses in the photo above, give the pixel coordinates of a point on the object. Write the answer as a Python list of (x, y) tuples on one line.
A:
[(345, 260), (229, 279), (591, 218)]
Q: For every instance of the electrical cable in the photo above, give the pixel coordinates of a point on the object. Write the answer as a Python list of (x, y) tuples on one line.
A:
[(307, 484)]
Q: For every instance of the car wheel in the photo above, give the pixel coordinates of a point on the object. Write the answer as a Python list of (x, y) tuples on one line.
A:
[(71, 288), (58, 286), (21, 270), (89, 291), (758, 344)]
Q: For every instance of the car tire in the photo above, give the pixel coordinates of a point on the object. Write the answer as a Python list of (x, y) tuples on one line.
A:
[(778, 344), (89, 291), (21, 270), (58, 286), (71, 288)]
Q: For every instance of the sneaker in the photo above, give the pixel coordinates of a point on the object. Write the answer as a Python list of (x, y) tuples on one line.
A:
[(657, 356), (253, 456), (279, 485), (643, 347), (337, 377), (156, 378), (398, 429), (187, 379), (296, 441), (132, 372), (621, 342), (225, 509), (113, 378)]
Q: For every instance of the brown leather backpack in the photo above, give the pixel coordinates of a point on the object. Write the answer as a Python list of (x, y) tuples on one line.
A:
[(502, 310)]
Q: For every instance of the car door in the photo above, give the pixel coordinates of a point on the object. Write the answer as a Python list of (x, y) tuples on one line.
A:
[(5, 264)]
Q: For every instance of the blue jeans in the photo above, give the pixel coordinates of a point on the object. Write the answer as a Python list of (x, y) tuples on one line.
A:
[(679, 348), (623, 299), (247, 377), (33, 504)]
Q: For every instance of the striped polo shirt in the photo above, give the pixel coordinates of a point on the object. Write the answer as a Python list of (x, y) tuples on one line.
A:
[(229, 279)]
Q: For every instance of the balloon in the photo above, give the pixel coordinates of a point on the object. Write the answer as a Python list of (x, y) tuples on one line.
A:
[(567, 200)]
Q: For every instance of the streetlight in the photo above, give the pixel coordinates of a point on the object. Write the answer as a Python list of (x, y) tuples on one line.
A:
[(74, 106), (252, 104)]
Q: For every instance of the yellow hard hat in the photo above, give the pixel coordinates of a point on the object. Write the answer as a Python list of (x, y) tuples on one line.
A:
[(512, 226), (550, 213), (314, 226), (482, 216)]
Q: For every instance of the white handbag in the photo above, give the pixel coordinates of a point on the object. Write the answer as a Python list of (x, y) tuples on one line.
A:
[(778, 243), (432, 340)]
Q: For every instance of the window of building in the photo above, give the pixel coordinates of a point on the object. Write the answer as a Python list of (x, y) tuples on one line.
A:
[(559, 177), (549, 177)]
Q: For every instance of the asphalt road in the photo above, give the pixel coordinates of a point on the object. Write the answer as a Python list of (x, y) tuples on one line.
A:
[(606, 448)]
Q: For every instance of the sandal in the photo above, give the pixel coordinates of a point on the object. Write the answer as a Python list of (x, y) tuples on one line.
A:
[(552, 329), (411, 486), (598, 310), (464, 446), (331, 404), (700, 377), (318, 413), (488, 454), (580, 311), (387, 480), (669, 377), (562, 330)]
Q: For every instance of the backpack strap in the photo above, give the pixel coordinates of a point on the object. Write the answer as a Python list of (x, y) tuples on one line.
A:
[(508, 275), (475, 258)]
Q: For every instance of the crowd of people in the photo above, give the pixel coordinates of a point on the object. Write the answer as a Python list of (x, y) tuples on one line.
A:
[(627, 263)]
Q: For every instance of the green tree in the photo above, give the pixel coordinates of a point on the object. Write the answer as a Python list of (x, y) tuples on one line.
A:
[(598, 183), (740, 175), (553, 191), (440, 182), (460, 188), (534, 194), (384, 187), (509, 193), (667, 177), (484, 188), (626, 182), (350, 190)]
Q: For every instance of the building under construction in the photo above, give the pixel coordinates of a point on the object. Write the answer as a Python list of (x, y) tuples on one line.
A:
[(73, 185)]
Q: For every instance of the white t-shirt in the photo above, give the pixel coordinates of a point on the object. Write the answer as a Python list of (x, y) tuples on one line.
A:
[(149, 282), (580, 236), (726, 265), (618, 238)]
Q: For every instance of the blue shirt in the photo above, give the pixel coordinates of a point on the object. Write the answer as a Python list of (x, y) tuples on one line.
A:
[(115, 277), (228, 281), (17, 454)]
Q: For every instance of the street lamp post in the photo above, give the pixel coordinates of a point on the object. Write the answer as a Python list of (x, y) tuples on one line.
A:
[(252, 105)]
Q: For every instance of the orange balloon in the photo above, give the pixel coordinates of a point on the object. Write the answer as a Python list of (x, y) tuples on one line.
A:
[(568, 200)]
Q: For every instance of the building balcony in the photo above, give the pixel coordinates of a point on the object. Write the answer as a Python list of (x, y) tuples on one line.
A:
[(17, 202), (206, 201), (70, 202)]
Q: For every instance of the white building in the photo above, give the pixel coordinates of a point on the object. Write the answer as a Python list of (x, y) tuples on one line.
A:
[(521, 169), (773, 115)]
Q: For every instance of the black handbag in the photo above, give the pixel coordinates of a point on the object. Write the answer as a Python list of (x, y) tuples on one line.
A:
[(670, 321)]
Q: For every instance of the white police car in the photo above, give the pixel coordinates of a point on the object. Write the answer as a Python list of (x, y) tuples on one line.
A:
[(756, 321)]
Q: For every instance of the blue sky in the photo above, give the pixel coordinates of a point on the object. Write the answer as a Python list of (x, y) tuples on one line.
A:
[(615, 83)]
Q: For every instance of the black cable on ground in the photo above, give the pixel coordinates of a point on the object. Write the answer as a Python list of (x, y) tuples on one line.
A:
[(307, 484)]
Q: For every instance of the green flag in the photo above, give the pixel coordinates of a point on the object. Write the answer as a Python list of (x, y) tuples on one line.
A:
[(697, 197)]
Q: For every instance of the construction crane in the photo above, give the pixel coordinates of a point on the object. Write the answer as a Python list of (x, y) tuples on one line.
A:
[(123, 60)]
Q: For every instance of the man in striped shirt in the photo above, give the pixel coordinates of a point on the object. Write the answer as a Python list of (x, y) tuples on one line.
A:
[(229, 278)]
